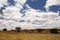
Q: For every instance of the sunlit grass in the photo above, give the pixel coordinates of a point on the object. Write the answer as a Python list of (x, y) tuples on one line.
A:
[(28, 36)]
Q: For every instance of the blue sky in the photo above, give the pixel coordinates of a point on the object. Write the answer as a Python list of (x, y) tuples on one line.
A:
[(55, 8), (11, 2), (38, 5)]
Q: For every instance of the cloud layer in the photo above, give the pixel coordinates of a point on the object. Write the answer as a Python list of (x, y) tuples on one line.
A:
[(33, 19)]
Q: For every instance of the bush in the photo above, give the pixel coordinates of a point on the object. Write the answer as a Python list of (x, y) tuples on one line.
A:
[(39, 30), (53, 31), (18, 29), (4, 29)]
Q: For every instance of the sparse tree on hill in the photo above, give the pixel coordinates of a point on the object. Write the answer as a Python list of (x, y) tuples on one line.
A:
[(4, 29), (53, 30), (18, 29), (39, 30)]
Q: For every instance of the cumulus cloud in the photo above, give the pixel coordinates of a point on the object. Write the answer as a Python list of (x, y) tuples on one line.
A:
[(12, 13), (20, 1), (32, 14), (50, 3), (42, 19), (33, 18), (3, 2)]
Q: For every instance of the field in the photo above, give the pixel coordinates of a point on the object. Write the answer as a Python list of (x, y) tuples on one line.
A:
[(28, 36)]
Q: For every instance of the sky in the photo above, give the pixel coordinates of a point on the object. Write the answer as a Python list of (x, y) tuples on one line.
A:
[(30, 13)]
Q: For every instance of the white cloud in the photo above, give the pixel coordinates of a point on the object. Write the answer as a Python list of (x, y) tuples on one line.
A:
[(12, 13), (18, 2), (37, 19), (18, 6), (3, 2), (33, 15), (42, 22), (52, 2), (21, 2), (33, 18)]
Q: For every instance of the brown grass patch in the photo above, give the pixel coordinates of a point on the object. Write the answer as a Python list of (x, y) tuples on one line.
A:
[(28, 36)]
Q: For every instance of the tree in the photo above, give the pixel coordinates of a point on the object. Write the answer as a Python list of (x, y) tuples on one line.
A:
[(18, 29), (4, 29), (39, 30), (53, 30)]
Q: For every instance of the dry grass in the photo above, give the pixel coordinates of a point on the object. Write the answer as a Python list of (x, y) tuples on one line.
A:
[(28, 36)]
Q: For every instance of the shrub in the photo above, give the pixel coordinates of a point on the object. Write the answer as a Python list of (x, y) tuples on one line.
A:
[(53, 30), (4, 29), (18, 29), (39, 30)]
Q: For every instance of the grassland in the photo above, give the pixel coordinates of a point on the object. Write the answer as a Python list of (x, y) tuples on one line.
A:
[(28, 36)]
